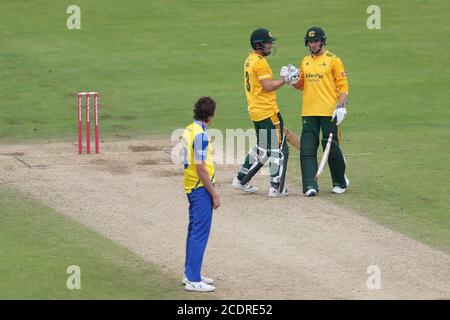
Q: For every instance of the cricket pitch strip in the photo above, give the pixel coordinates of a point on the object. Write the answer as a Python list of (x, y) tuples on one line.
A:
[(260, 248)]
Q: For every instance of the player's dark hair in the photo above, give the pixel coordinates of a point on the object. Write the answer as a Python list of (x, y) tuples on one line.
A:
[(204, 108)]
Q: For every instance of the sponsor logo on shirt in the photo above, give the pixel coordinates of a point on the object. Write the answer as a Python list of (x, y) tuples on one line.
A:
[(314, 76)]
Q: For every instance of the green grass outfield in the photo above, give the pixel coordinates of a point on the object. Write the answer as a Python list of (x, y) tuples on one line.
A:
[(38, 244), (150, 60)]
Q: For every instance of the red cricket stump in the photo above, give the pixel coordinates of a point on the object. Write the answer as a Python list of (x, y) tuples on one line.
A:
[(80, 125), (88, 122), (97, 143)]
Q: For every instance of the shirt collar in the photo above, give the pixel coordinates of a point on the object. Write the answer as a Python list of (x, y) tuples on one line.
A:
[(257, 54), (318, 57), (201, 124)]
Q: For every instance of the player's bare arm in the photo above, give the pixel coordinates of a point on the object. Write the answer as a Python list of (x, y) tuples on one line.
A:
[(343, 98), (289, 74), (270, 85), (298, 85)]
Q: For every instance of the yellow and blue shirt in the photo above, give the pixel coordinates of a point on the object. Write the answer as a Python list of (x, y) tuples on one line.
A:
[(197, 148)]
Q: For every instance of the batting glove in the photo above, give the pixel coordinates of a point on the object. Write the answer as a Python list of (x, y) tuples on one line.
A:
[(293, 75), (339, 113), (284, 71), (290, 74)]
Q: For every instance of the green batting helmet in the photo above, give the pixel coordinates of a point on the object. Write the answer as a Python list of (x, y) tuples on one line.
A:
[(260, 36), (315, 33)]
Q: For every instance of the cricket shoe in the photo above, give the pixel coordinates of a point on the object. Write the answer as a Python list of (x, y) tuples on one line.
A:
[(244, 187), (311, 193), (199, 287), (204, 279), (273, 193), (339, 190)]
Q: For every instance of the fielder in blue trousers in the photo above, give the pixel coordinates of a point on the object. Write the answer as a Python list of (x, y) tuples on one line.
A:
[(199, 179), (200, 217)]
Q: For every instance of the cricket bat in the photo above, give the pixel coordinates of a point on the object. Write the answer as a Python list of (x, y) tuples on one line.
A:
[(326, 152), (292, 138)]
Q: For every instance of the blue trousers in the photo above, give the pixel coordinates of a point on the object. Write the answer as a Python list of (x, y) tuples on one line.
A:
[(200, 218)]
